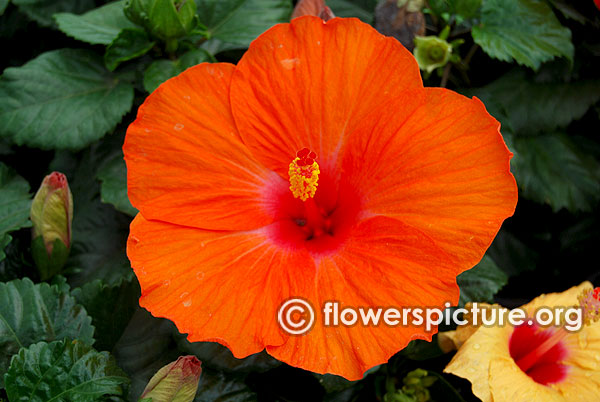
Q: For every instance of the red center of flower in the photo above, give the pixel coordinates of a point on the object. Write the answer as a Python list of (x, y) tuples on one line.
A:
[(319, 220), (543, 366), (539, 352)]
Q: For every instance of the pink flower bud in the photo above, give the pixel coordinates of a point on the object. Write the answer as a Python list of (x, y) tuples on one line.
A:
[(52, 211), (51, 215)]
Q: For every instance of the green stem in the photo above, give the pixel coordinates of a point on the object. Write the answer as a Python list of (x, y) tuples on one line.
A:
[(171, 46)]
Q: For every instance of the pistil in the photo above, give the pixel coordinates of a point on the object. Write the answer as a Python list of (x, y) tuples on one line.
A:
[(529, 360), (304, 174), (589, 302), (304, 179)]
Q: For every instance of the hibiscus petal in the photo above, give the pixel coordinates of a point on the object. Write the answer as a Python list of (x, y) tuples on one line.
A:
[(384, 264), (195, 283), (207, 293), (436, 161), (508, 383), (185, 160), (582, 381), (473, 359), (309, 83)]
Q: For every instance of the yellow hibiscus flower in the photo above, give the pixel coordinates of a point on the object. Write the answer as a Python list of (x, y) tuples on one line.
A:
[(529, 362)]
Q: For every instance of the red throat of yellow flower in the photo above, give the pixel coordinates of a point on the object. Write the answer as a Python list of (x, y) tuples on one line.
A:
[(589, 302)]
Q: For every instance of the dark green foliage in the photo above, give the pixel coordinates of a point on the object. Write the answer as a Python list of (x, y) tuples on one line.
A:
[(42, 10), (98, 26), (129, 44), (32, 313), (522, 30), (15, 202), (113, 176), (236, 23), (67, 83), (161, 70), (481, 283), (63, 370), (110, 306)]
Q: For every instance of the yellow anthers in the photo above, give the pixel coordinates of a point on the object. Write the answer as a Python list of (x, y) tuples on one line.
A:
[(589, 301), (304, 174)]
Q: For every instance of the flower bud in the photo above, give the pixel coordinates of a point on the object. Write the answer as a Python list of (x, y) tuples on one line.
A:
[(175, 382), (412, 6), (164, 19), (51, 215), (431, 52), (312, 7), (415, 388)]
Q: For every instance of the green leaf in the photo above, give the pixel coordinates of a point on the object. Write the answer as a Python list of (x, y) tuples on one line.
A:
[(333, 383), (523, 30), (548, 106), (15, 202), (481, 283), (567, 9), (63, 99), (60, 282), (43, 10), (161, 70), (32, 313), (113, 176), (362, 9), (99, 26), (145, 347), (17, 262), (552, 170), (63, 371), (158, 72), (222, 387), (129, 44), (419, 349), (111, 308), (465, 9), (514, 256), (12, 22), (239, 22), (99, 231), (3, 5), (5, 240)]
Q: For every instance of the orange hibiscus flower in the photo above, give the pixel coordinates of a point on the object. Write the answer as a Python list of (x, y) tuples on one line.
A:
[(411, 185)]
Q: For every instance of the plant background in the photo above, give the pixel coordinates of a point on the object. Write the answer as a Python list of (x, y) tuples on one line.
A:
[(73, 77)]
